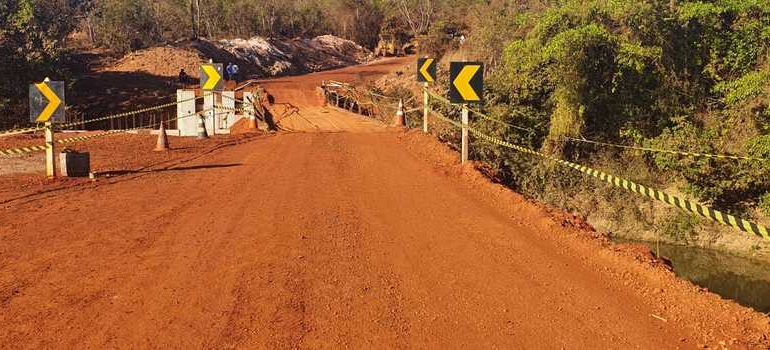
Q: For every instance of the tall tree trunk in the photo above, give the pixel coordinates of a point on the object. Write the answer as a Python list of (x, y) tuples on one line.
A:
[(195, 17), (90, 29)]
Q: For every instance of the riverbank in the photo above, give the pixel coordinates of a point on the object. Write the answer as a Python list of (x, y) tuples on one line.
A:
[(744, 280)]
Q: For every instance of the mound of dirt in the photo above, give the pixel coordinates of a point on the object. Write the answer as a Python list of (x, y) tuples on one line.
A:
[(163, 61), (257, 57), (296, 56)]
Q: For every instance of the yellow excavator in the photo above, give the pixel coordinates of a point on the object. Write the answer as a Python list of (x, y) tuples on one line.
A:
[(389, 46)]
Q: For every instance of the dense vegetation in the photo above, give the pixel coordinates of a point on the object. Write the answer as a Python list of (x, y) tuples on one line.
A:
[(680, 75), (31, 36), (130, 24)]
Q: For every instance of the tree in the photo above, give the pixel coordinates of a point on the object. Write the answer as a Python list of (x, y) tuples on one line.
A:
[(32, 34), (125, 25), (418, 14)]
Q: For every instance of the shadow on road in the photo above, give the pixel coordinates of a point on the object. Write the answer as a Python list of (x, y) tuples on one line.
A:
[(112, 173)]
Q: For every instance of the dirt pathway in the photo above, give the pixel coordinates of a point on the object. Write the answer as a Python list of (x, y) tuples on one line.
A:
[(311, 115), (331, 240)]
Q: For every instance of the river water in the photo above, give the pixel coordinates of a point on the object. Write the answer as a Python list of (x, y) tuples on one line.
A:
[(744, 280)]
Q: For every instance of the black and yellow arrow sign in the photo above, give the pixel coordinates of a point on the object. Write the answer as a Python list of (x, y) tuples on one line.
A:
[(426, 70), (211, 77), (466, 82), (46, 102)]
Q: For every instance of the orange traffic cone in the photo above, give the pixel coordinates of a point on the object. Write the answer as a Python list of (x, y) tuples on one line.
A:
[(162, 144), (252, 122), (400, 122)]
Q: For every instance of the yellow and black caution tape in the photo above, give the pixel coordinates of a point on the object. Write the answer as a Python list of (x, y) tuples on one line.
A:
[(113, 132), (482, 115), (686, 205), (32, 149), (658, 150), (83, 122), (234, 109), (128, 114), (89, 137), (20, 131), (21, 150)]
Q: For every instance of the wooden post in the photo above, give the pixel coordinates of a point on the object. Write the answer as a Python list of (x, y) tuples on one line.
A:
[(50, 154), (465, 135), (425, 106)]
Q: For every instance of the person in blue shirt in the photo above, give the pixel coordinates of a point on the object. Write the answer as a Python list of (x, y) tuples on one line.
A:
[(234, 72), (229, 71)]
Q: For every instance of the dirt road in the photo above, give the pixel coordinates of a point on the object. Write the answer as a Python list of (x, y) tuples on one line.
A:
[(303, 93), (332, 240)]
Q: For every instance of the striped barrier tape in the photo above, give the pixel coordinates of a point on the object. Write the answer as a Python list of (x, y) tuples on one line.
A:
[(113, 132), (88, 137), (686, 205), (84, 122), (482, 115), (32, 149), (20, 131), (234, 109), (128, 114), (658, 150), (21, 150)]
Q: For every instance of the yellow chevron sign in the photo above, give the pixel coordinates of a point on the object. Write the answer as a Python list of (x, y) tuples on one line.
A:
[(211, 77), (426, 70), (466, 82), (46, 101)]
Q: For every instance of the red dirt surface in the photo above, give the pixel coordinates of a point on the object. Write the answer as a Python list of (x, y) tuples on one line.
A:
[(165, 61), (110, 156), (346, 239), (303, 93)]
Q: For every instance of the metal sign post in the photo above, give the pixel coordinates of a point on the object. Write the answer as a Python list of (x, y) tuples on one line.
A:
[(425, 107), (464, 151), (46, 105), (426, 73), (466, 85), (50, 151)]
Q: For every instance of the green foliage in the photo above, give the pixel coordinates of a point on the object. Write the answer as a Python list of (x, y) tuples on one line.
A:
[(132, 24), (752, 84), (497, 24), (31, 37), (764, 203), (438, 40), (681, 227), (684, 75), (125, 25), (637, 58), (732, 34)]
